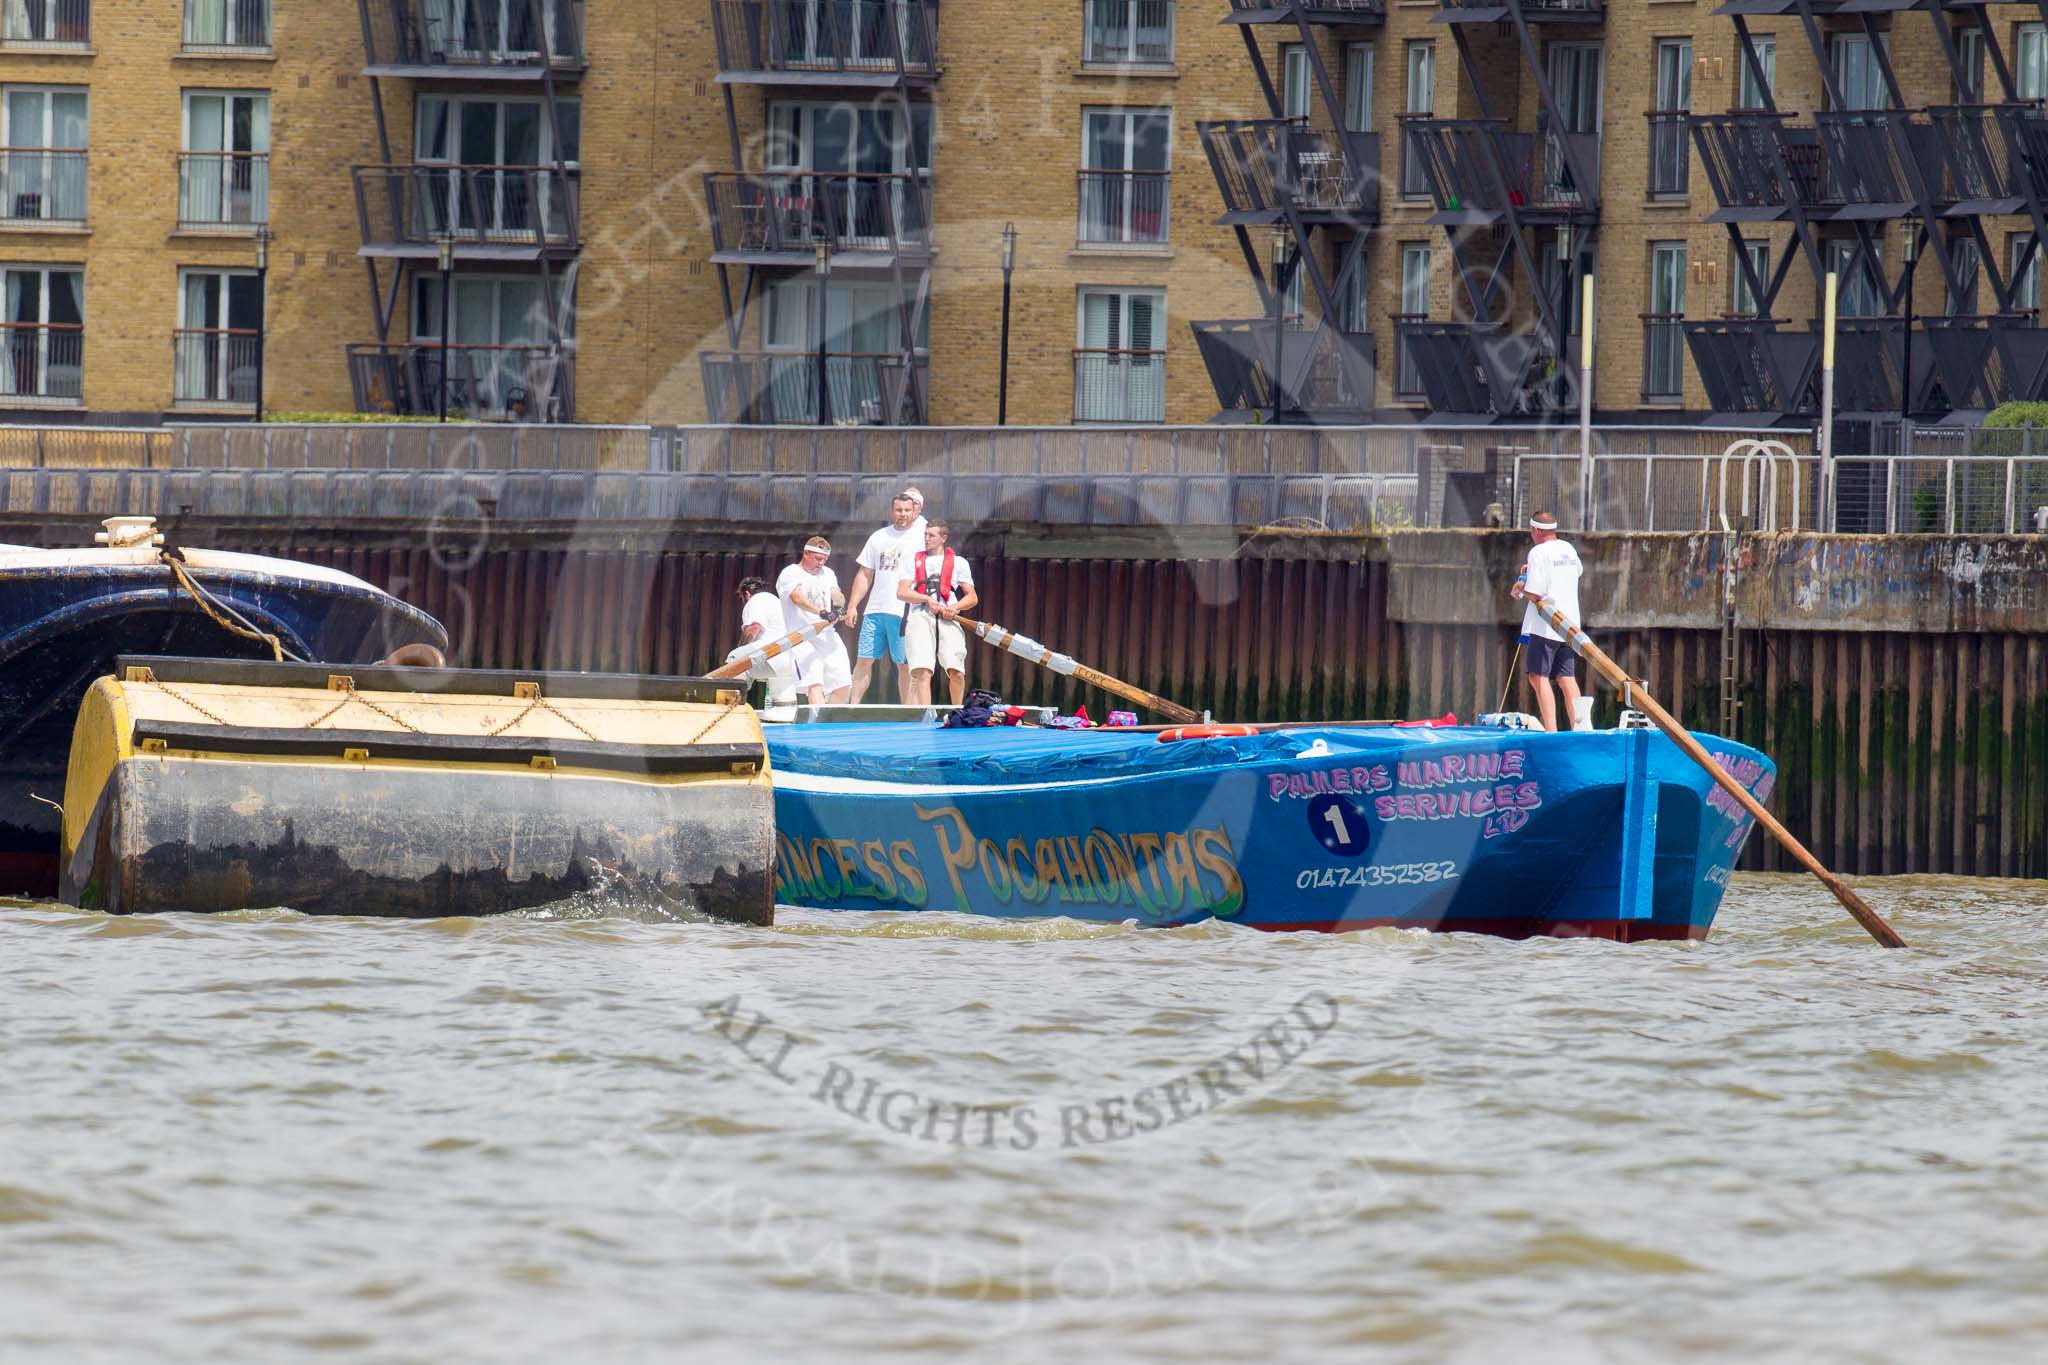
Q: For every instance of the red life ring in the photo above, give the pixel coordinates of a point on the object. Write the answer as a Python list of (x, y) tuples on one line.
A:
[(1205, 732)]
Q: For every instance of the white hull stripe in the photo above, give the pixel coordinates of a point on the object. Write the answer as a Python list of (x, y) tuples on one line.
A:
[(822, 784)]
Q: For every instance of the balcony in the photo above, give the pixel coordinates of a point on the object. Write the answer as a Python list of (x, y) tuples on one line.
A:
[(779, 219), (1114, 385), (529, 383), (497, 40), (1670, 158), (1265, 166), (1759, 165), (1325, 372), (43, 363), (2027, 128), (1532, 11), (1478, 172), (215, 367), (42, 187), (227, 26), (1967, 155), (496, 213), (1663, 357), (867, 44), (780, 388), (1864, 161), (1122, 208), (46, 25), (1125, 33), (223, 191), (1488, 369), (1332, 12)]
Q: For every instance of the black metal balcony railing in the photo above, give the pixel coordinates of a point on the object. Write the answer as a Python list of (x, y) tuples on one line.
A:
[(215, 365), (1119, 385), (2027, 130), (1407, 365), (1750, 157), (825, 38), (223, 189), (1478, 166), (1122, 208), (1535, 11), (1751, 365), (42, 186), (1484, 367), (1663, 357), (42, 361), (790, 212), (530, 35), (1863, 157), (416, 206), (1325, 372), (226, 25), (780, 388), (519, 382), (1327, 11), (1670, 157), (1127, 32), (1263, 165), (55, 24)]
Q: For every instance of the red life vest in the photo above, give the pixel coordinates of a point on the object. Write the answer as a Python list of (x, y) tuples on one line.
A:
[(923, 580)]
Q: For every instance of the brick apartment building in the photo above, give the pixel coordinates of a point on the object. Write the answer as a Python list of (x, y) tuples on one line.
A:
[(629, 207)]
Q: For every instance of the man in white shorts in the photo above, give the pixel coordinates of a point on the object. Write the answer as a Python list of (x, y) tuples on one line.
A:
[(761, 621), (937, 589), (809, 590)]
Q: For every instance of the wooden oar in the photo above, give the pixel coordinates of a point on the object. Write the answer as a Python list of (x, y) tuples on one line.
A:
[(774, 647), (1639, 696), (1028, 649)]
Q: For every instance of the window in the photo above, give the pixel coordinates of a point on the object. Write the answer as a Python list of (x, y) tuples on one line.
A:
[(1963, 252), (46, 23), (861, 345), (503, 31), (1127, 33), (1969, 86), (1294, 81), (45, 330), (1358, 87), (1669, 152), (2030, 62), (218, 346), (1292, 295), (1354, 314), (1414, 308), (849, 153), (2024, 264), (42, 168), (1421, 99), (1663, 325), (1857, 71), (224, 171), (1120, 360), (237, 25), (1123, 176), (499, 340), (507, 150), (1743, 302), (1857, 294), (1749, 93)]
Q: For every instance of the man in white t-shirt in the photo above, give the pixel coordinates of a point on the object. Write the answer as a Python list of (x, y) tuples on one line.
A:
[(937, 588), (880, 564), (809, 590), (761, 621), (1552, 571)]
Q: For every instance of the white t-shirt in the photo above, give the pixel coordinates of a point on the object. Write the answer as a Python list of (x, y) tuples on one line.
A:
[(818, 587), (764, 609), (1554, 571), (887, 556), (934, 565)]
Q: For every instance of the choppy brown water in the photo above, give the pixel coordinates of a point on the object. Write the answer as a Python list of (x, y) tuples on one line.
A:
[(265, 1137)]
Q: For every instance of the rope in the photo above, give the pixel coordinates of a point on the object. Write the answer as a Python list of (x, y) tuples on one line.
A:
[(206, 605), (1509, 685)]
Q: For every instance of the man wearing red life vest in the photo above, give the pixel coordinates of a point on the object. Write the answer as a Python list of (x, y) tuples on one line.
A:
[(937, 588)]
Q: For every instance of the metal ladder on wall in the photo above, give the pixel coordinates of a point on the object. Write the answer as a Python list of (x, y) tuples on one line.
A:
[(1763, 455)]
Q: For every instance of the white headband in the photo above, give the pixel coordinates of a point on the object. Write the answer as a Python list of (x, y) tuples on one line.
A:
[(1543, 524)]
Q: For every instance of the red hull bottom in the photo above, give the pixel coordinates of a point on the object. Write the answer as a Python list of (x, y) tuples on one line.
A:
[(1614, 931)]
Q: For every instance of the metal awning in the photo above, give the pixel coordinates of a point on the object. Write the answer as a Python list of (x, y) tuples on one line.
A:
[(1755, 7)]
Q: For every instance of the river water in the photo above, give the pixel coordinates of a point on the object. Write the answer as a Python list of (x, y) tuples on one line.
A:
[(566, 1137)]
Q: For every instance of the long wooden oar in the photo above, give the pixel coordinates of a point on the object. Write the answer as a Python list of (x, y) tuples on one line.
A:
[(1639, 696), (1028, 649), (784, 645)]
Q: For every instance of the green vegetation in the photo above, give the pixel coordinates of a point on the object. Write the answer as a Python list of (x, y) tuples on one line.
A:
[(2013, 415)]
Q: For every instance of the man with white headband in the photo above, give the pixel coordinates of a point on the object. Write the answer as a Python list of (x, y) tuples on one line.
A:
[(1552, 571)]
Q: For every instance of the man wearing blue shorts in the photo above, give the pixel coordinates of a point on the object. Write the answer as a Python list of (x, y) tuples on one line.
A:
[(1553, 572), (881, 562)]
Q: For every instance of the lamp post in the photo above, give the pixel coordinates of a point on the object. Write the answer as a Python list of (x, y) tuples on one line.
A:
[(447, 254), (1003, 369), (262, 310), (1912, 226), (824, 267), (1279, 315)]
